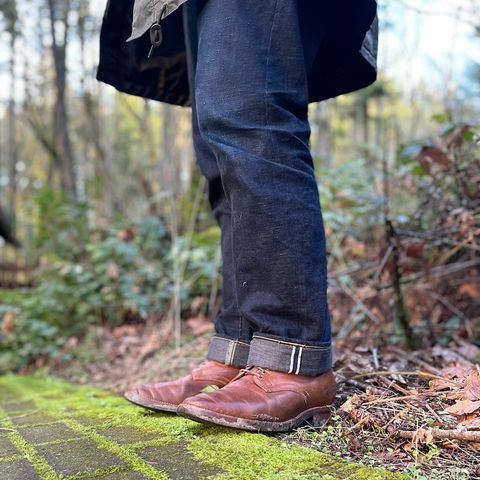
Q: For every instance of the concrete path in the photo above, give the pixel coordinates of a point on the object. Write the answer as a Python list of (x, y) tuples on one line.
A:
[(52, 430)]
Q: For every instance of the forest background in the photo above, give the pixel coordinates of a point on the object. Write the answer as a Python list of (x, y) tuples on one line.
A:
[(117, 266)]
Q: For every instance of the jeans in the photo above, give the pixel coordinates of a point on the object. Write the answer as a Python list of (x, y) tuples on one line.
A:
[(248, 64)]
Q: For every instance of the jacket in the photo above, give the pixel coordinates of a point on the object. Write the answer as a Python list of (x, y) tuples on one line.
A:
[(130, 61)]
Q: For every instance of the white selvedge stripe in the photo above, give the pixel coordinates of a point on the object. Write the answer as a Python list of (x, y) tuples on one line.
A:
[(299, 360), (230, 353), (292, 358)]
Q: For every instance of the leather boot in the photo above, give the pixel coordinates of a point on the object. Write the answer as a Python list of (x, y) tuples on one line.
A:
[(265, 401), (166, 396)]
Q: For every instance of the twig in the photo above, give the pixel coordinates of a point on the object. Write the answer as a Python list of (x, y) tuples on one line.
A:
[(449, 305), (412, 357), (413, 373), (458, 247), (364, 386), (452, 15), (364, 420), (362, 306), (394, 399), (19, 416), (444, 435), (357, 268), (435, 272), (375, 358), (382, 264), (401, 310), (433, 412), (400, 414)]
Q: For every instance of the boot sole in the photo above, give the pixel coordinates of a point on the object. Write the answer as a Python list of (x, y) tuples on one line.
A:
[(152, 405), (316, 415)]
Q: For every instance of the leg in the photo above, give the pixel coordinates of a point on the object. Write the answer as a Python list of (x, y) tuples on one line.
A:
[(232, 333), (251, 102)]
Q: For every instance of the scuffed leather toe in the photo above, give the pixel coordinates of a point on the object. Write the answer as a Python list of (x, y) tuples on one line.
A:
[(166, 396)]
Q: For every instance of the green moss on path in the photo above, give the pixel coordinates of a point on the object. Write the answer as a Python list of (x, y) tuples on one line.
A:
[(53, 430)]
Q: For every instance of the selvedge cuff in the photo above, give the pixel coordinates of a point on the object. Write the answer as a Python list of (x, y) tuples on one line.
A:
[(291, 357), (229, 352)]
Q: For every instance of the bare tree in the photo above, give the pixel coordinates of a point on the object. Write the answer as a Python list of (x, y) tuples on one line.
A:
[(59, 27), (10, 14)]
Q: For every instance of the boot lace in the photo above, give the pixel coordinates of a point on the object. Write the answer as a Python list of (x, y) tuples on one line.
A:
[(258, 372)]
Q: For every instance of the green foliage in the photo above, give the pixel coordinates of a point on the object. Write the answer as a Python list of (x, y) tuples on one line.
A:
[(444, 174), (119, 274), (62, 227), (350, 201)]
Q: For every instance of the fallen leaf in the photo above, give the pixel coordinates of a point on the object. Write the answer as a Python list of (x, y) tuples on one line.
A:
[(456, 369), (456, 138), (113, 271), (423, 436), (429, 156), (472, 386), (126, 235), (124, 330), (8, 323), (463, 407), (197, 303), (199, 325), (354, 247), (470, 422), (470, 289), (413, 247)]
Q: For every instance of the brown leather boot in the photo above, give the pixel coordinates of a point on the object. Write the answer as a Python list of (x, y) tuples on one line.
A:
[(166, 396), (264, 401)]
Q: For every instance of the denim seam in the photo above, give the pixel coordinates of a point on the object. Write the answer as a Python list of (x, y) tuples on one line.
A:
[(229, 200), (267, 76), (283, 342), (232, 252)]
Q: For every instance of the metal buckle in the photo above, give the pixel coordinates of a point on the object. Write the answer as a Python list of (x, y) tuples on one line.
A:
[(156, 34)]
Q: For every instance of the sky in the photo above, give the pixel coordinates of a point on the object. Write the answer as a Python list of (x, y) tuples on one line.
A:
[(434, 49)]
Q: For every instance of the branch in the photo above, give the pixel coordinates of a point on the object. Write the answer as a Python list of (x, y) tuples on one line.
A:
[(441, 13), (439, 434)]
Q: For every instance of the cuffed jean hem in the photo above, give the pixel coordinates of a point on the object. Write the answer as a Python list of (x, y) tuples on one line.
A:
[(270, 352), (227, 351)]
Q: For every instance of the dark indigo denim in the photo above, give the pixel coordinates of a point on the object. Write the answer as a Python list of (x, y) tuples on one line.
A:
[(248, 64)]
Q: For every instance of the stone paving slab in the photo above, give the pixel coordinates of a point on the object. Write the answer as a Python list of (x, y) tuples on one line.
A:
[(48, 433), (34, 418), (19, 470), (57, 431), (7, 449), (89, 421), (68, 458), (128, 435), (12, 407), (177, 461), (126, 475)]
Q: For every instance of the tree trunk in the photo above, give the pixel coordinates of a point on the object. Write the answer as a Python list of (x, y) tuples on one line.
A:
[(62, 141)]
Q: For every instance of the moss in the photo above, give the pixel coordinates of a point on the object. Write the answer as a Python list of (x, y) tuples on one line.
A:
[(10, 459), (44, 471), (247, 455), (233, 454)]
